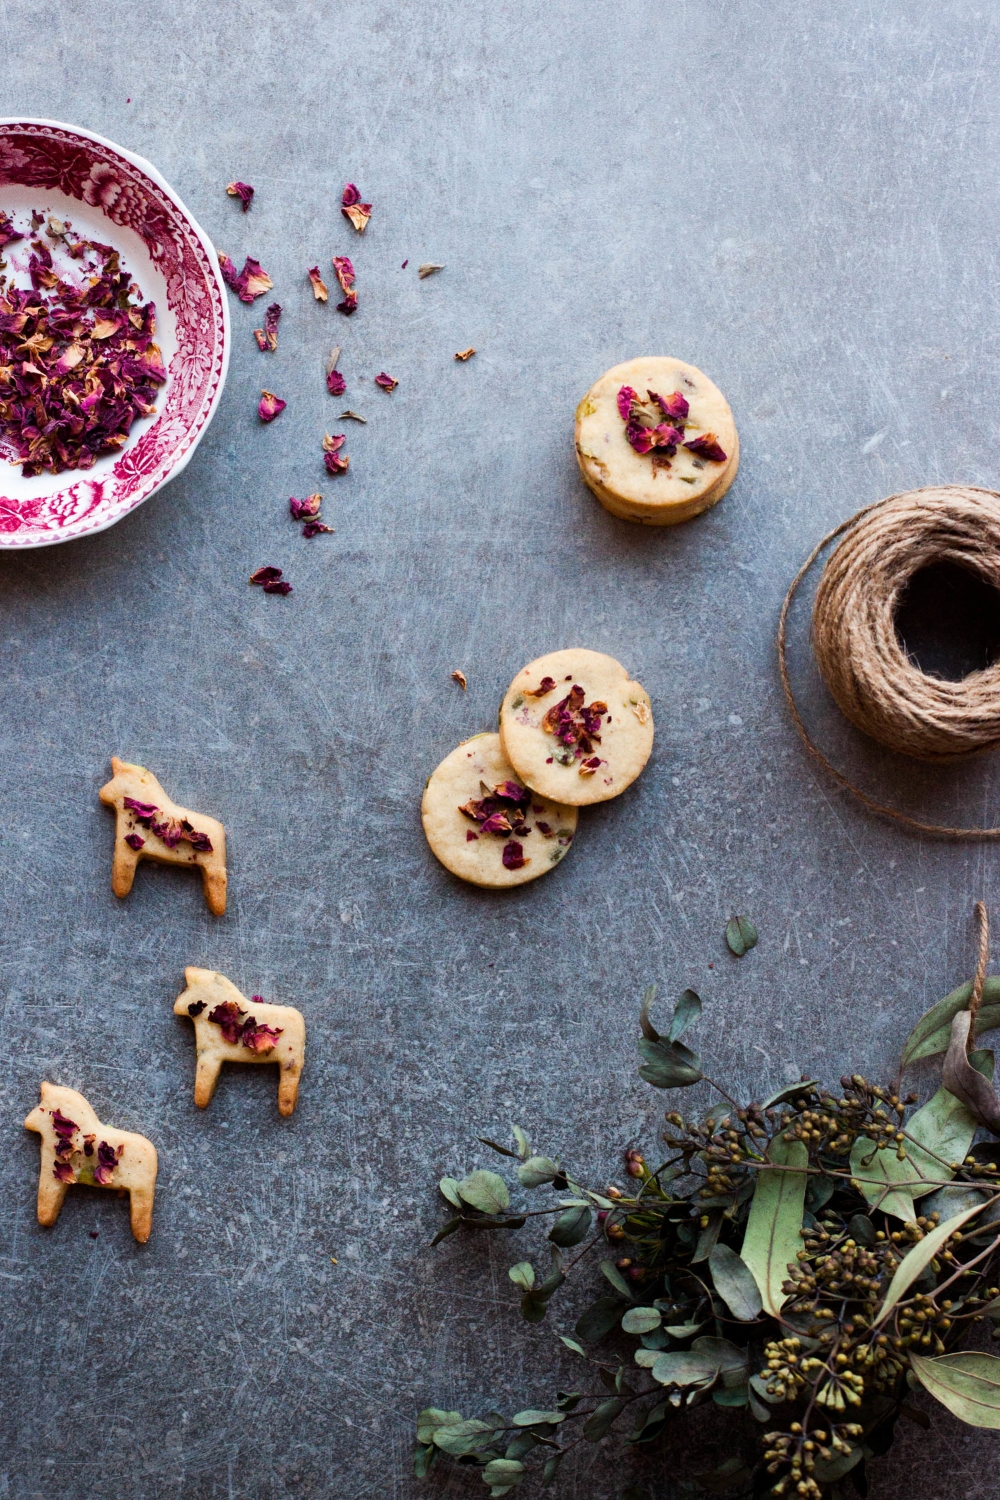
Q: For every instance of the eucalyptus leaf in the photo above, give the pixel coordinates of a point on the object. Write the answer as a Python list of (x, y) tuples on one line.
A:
[(449, 1190), (707, 1238), (932, 1033), (728, 1357), (736, 1395), (646, 1026), (772, 1240), (862, 1230), (685, 1367), (573, 1345), (758, 1410), (646, 1358), (446, 1229), (819, 1191), (731, 1472), (829, 1470), (523, 1275), (758, 1386), (495, 1146), (617, 1280), (470, 1436), (669, 1065), (641, 1320), (536, 1171), (735, 1283), (968, 1384), (686, 1010), (503, 1471), (599, 1319), (788, 1092), (572, 1226), (600, 1419), (485, 1191), (741, 935), (683, 1330), (532, 1418), (520, 1444), (657, 1338), (883, 1179), (422, 1460), (550, 1469), (431, 1419), (523, 1144), (918, 1258)]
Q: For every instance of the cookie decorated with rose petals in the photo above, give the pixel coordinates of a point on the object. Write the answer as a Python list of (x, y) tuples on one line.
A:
[(149, 825), (575, 727), (485, 825), (230, 1028), (76, 1147), (656, 441)]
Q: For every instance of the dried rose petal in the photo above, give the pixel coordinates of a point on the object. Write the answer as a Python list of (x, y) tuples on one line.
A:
[(143, 810), (336, 463), (318, 284), (196, 1007), (198, 841), (513, 856), (265, 576), (270, 406), (546, 685), (386, 381), (335, 383), (257, 1036), (427, 269), (134, 841), (307, 509), (469, 836), (334, 441), (349, 304), (313, 528), (345, 271), (281, 587), (241, 190), (707, 446), (353, 209), (267, 337), (668, 437), (8, 234), (460, 678), (497, 822), (464, 354), (545, 829), (63, 1172), (107, 1160), (229, 1018), (255, 279), (355, 416), (639, 437), (625, 398), (230, 275), (510, 791), (167, 829), (675, 406), (63, 1127)]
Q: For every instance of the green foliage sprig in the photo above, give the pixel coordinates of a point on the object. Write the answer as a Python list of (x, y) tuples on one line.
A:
[(802, 1263)]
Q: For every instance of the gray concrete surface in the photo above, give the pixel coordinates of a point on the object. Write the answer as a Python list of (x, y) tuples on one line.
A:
[(801, 201)]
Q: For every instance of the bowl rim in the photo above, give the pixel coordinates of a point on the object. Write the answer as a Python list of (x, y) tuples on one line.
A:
[(184, 458)]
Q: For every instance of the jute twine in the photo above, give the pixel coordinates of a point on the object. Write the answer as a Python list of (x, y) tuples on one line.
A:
[(875, 683), (977, 984)]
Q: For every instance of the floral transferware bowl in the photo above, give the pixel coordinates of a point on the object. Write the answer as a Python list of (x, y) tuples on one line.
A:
[(112, 195)]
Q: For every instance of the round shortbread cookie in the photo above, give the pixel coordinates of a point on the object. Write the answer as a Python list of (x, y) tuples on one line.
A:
[(484, 825), (575, 727), (669, 481)]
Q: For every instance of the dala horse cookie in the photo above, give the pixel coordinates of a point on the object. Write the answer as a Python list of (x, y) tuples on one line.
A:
[(230, 1028), (148, 825), (76, 1147)]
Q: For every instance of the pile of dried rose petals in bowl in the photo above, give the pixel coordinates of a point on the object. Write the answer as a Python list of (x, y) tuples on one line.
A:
[(114, 333)]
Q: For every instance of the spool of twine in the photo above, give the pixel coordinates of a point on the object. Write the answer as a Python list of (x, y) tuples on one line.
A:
[(862, 660)]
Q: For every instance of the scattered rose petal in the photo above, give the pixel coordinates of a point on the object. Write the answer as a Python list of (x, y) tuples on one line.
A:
[(355, 416), (345, 271), (353, 209), (8, 234), (675, 407), (625, 398), (318, 285), (267, 337), (349, 304), (464, 354), (460, 678), (313, 528), (270, 406), (257, 1036), (282, 587), (307, 509), (336, 463), (230, 275), (575, 727), (333, 442), (335, 383), (134, 841), (707, 446), (272, 582), (406, 262), (253, 281), (513, 856), (428, 269), (241, 190), (386, 381)]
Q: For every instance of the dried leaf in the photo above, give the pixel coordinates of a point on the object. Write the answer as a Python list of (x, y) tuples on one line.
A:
[(617, 1280), (463, 683), (464, 354), (685, 1367), (485, 1191), (641, 1320), (536, 1171), (446, 1229), (772, 1239), (967, 1384), (599, 1319), (918, 1257), (449, 1190), (428, 269), (741, 934), (571, 1227), (355, 416), (600, 1419), (686, 1010), (932, 1032), (523, 1275), (966, 1082), (573, 1345), (533, 1418)]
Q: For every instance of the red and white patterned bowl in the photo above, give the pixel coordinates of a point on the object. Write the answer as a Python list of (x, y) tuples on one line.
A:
[(114, 196)]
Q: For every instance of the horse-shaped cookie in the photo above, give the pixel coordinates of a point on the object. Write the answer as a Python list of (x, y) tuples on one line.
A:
[(76, 1147), (149, 826), (230, 1028)]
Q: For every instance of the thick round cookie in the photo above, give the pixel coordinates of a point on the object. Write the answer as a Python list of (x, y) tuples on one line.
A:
[(575, 727), (487, 827), (649, 435)]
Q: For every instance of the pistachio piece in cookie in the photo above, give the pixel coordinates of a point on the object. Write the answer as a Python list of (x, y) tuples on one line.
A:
[(575, 727), (485, 825), (656, 441), (148, 825)]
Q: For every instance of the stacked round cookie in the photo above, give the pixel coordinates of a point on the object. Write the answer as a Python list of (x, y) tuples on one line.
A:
[(574, 729)]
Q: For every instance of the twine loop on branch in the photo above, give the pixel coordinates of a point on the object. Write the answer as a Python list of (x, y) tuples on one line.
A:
[(862, 660)]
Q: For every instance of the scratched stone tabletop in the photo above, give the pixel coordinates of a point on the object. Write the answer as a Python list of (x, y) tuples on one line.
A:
[(801, 201)]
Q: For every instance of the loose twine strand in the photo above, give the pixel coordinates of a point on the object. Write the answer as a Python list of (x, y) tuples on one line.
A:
[(980, 979), (877, 686)]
